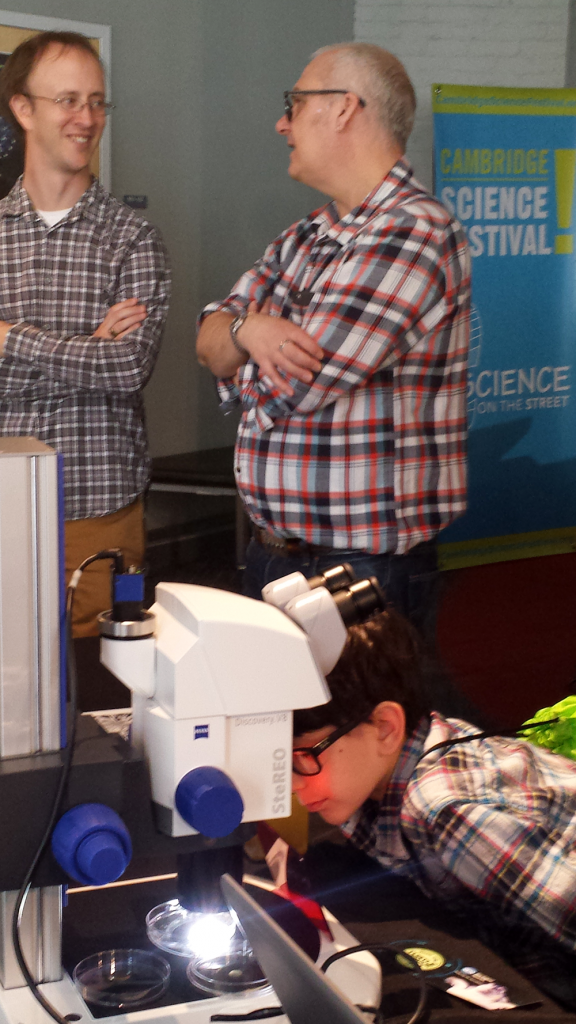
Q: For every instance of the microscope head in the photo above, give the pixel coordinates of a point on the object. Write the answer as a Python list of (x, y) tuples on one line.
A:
[(215, 687)]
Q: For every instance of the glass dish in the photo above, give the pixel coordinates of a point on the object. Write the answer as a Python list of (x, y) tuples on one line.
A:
[(222, 973), (176, 930), (122, 979), (221, 960)]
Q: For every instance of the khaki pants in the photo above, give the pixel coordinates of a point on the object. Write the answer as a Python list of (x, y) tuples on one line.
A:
[(123, 529)]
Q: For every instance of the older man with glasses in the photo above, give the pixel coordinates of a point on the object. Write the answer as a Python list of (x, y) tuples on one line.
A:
[(346, 347), (83, 300)]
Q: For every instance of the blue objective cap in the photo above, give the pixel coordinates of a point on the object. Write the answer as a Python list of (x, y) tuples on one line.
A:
[(101, 857), (208, 801), (92, 844)]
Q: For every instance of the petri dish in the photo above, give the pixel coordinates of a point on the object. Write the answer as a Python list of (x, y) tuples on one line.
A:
[(122, 979), (174, 929), (222, 973), (221, 960)]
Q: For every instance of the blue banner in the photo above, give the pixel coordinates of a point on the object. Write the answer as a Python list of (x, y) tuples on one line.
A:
[(505, 165)]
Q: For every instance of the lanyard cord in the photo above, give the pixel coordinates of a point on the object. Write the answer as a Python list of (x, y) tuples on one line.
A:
[(486, 735)]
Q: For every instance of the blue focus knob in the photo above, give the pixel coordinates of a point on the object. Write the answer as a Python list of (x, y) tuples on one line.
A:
[(209, 802), (92, 844), (101, 856)]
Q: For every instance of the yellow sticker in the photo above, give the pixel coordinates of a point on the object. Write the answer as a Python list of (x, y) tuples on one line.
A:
[(427, 959)]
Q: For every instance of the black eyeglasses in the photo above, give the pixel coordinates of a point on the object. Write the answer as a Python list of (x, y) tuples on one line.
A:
[(291, 93), (305, 760)]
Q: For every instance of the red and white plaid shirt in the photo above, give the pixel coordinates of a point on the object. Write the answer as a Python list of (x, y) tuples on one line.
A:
[(372, 454), (493, 820)]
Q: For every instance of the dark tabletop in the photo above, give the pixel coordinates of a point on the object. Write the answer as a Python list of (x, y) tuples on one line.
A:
[(213, 466), (374, 907), (380, 907)]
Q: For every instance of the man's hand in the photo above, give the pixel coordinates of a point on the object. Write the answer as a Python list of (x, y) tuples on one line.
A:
[(277, 344), (120, 319), (271, 341)]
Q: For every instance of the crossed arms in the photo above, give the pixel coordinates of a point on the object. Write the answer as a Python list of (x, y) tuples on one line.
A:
[(120, 354), (370, 310)]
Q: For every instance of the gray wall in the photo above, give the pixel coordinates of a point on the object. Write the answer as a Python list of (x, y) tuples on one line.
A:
[(466, 42), (252, 51), (570, 81), (198, 87)]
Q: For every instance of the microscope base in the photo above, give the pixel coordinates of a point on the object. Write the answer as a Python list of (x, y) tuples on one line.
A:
[(358, 976)]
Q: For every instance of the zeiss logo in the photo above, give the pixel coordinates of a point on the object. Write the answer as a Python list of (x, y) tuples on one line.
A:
[(201, 732)]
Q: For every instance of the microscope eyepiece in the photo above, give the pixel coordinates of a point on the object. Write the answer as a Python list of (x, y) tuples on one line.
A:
[(335, 578), (359, 601)]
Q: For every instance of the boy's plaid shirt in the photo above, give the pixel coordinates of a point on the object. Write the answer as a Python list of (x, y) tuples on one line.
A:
[(372, 454), (490, 823)]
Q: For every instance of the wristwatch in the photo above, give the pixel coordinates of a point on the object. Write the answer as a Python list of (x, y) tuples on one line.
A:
[(234, 328)]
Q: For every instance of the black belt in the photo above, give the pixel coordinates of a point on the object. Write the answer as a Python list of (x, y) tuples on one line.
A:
[(284, 547)]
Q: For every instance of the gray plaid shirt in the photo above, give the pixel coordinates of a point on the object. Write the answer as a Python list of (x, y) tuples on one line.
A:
[(80, 394)]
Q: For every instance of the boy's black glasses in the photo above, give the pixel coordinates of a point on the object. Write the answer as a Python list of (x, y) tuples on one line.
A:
[(291, 93), (305, 759)]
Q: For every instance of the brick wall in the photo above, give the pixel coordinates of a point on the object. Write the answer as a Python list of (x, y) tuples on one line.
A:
[(467, 42)]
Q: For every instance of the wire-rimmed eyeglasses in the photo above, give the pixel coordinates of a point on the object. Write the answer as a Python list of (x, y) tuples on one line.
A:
[(73, 104), (291, 93), (305, 760)]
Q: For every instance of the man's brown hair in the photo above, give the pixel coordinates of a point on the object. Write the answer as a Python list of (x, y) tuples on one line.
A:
[(14, 74)]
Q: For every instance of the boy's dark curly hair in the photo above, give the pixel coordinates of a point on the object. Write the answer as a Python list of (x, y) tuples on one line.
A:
[(380, 661)]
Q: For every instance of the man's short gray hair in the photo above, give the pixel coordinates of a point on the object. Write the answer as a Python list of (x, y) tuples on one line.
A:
[(380, 79)]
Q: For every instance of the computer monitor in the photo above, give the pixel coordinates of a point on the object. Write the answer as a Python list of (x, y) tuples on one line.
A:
[(307, 996)]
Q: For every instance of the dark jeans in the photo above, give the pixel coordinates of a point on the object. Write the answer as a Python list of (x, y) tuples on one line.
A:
[(409, 581)]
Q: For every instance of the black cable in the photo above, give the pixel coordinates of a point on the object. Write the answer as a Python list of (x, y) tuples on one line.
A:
[(384, 947), (371, 947), (263, 1014), (507, 733), (116, 555)]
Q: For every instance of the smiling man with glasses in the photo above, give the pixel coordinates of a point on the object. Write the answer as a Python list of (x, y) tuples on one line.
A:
[(83, 300), (346, 347)]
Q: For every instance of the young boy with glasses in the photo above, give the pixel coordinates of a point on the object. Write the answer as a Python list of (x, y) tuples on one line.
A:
[(485, 825)]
